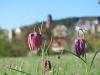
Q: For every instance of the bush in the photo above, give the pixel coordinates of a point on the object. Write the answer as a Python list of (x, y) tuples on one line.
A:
[(5, 47), (93, 44)]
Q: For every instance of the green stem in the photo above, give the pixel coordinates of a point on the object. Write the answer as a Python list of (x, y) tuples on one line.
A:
[(86, 69), (42, 62), (42, 71), (94, 58), (19, 71), (76, 56)]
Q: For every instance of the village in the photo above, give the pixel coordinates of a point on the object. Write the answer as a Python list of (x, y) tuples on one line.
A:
[(49, 37), (59, 32)]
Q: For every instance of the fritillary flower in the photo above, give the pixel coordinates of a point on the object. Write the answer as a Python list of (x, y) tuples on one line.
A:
[(34, 41), (47, 65), (80, 46)]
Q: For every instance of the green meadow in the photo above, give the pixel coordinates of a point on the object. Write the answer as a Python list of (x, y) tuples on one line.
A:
[(66, 65)]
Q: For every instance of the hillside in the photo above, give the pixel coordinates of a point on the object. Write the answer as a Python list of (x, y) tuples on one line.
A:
[(19, 46)]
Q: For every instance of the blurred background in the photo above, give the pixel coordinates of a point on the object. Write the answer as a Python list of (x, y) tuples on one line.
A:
[(59, 19)]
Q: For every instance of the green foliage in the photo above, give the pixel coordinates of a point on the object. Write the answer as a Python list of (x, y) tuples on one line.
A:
[(69, 22), (5, 46), (67, 65), (19, 47), (93, 43)]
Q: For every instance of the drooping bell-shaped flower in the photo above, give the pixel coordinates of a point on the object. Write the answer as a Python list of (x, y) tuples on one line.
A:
[(80, 46), (34, 41), (47, 65)]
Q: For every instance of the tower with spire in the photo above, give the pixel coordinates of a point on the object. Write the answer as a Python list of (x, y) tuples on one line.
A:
[(48, 25)]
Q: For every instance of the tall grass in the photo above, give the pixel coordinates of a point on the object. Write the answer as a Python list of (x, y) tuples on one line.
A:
[(67, 65)]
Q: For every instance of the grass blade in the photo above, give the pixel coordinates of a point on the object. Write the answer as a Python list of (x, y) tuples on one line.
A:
[(19, 71), (94, 57), (76, 56)]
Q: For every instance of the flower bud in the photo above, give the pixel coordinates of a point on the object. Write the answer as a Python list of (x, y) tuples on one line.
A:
[(47, 65)]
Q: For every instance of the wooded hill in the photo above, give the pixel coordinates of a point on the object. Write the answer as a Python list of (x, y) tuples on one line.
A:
[(19, 46)]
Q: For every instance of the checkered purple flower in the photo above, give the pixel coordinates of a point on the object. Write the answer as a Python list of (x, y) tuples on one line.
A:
[(34, 41), (80, 46)]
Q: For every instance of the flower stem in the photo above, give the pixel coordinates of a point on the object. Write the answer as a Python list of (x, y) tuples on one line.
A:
[(86, 69)]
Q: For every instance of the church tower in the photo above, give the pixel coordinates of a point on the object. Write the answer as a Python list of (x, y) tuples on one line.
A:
[(48, 25)]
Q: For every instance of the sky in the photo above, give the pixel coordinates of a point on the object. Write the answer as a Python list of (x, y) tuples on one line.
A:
[(18, 13)]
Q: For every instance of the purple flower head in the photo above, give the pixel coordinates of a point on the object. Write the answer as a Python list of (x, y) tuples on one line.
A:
[(80, 46), (34, 41)]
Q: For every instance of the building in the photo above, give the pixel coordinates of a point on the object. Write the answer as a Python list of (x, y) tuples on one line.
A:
[(60, 31), (8, 34), (87, 24), (18, 32), (59, 45), (48, 25), (98, 28)]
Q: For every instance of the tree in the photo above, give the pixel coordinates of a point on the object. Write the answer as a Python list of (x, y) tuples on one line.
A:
[(5, 46)]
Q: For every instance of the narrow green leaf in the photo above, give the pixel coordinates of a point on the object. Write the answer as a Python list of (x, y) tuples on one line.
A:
[(19, 71), (5, 73), (76, 56), (94, 57)]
